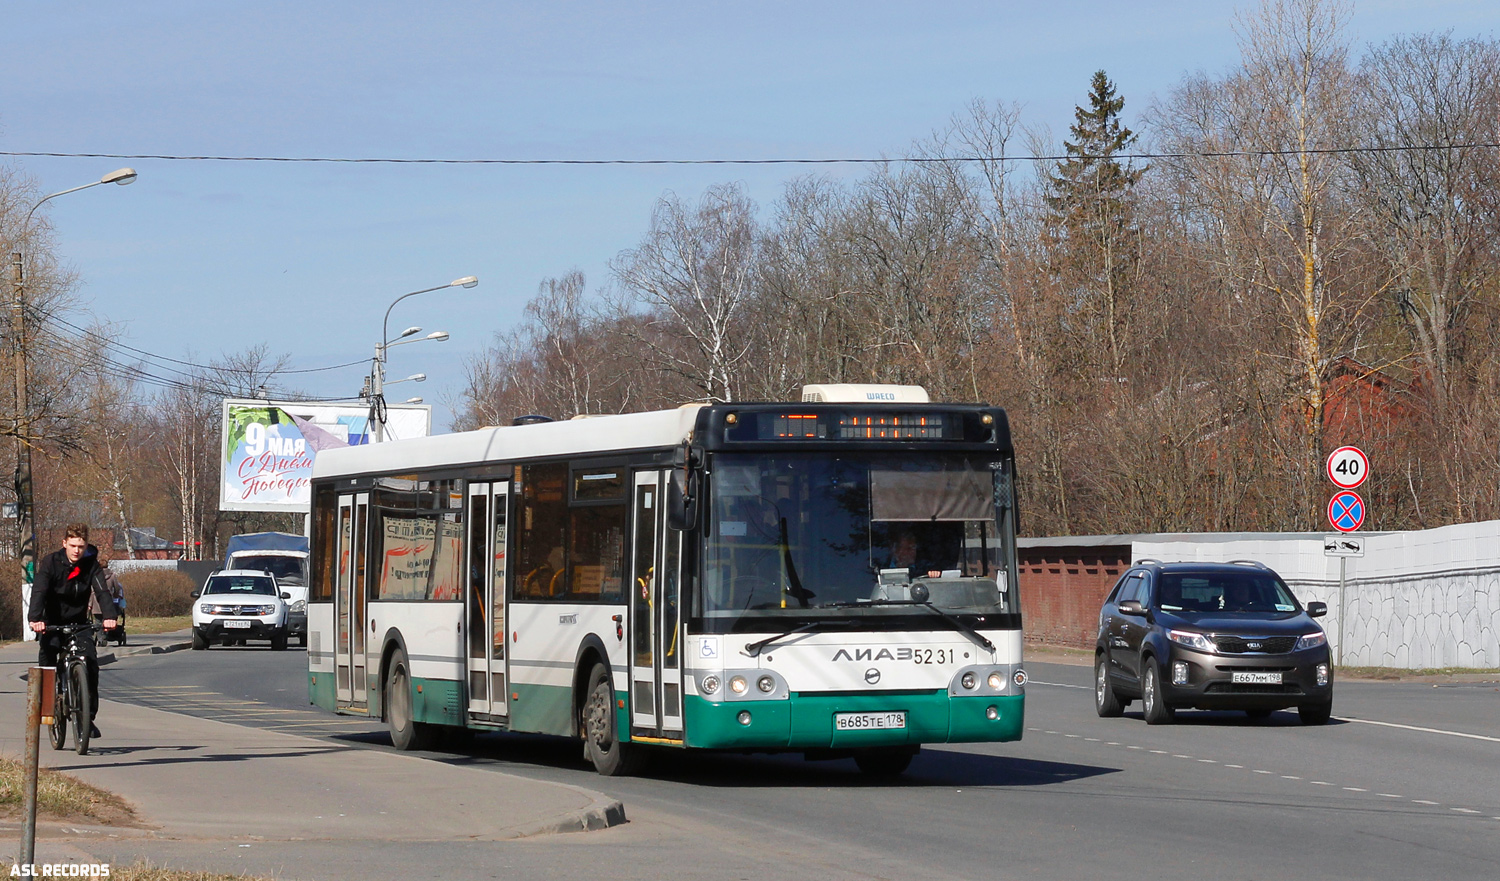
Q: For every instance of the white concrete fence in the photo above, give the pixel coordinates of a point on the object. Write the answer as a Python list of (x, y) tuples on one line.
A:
[(1415, 600)]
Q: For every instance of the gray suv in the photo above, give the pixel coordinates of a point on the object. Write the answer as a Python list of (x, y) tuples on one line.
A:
[(1214, 636)]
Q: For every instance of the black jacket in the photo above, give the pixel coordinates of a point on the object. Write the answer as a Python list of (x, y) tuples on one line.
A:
[(61, 592)]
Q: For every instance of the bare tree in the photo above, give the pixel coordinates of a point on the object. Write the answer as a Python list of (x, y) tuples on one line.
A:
[(691, 280)]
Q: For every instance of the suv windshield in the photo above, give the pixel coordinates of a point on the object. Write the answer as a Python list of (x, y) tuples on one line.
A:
[(1248, 591), (838, 535), (288, 570), (240, 585)]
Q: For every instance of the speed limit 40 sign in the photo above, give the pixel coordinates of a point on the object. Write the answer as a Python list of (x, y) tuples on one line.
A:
[(1348, 467)]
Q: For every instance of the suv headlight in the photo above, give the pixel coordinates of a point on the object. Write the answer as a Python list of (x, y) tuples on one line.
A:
[(299, 606), (1310, 641), (206, 609), (1190, 639)]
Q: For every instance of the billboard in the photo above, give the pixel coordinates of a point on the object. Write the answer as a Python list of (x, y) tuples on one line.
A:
[(269, 447)]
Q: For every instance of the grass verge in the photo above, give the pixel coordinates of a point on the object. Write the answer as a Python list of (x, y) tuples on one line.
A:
[(61, 797), (158, 625), (1395, 673), (145, 871)]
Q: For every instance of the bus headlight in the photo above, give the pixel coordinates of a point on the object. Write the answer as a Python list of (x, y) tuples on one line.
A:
[(709, 684), (737, 684), (997, 682)]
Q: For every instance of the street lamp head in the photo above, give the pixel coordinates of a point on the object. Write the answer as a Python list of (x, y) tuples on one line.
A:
[(408, 332), (467, 281), (418, 377), (413, 400), (439, 335), (121, 176)]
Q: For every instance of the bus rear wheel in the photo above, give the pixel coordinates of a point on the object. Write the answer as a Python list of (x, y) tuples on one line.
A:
[(406, 732), (596, 724)]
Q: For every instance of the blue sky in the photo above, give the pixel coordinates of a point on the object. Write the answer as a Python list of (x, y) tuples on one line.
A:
[(204, 258)]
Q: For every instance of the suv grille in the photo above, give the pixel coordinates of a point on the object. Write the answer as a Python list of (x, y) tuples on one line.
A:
[(1270, 645)]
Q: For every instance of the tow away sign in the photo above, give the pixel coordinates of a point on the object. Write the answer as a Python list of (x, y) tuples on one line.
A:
[(1343, 546)]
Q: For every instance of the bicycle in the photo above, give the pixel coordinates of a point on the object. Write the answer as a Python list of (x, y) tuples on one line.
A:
[(72, 697)]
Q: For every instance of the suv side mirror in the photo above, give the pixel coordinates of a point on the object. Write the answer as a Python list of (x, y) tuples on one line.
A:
[(1317, 610), (1132, 607), (285, 595), (195, 594)]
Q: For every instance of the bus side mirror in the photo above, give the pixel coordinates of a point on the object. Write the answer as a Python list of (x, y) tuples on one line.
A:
[(682, 502)]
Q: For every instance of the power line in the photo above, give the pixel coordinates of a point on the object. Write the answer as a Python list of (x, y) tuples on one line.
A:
[(848, 160), (119, 345)]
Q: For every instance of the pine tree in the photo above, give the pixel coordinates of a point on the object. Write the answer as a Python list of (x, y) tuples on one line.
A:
[(1090, 223)]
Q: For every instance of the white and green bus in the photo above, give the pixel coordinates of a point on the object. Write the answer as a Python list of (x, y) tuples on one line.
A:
[(835, 577)]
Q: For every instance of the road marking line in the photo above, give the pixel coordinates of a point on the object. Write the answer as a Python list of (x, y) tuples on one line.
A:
[(1464, 810), (1289, 777), (1051, 732), (1160, 752), (1259, 771), (1176, 756), (1111, 743), (1209, 761), (1133, 747), (1388, 795), (1235, 766), (1423, 801), (1420, 728), (1321, 783), (1092, 739), (1355, 789), (1070, 735)]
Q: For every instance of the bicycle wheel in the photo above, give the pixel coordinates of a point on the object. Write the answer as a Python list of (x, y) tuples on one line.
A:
[(60, 713), (78, 684)]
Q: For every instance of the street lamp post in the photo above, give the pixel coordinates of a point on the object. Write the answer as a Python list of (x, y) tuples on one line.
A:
[(25, 524), (377, 367)]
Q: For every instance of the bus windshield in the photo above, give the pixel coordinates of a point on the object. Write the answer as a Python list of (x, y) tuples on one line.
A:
[(814, 534)]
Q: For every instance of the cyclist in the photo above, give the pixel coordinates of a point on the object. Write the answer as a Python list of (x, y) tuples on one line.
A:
[(65, 579)]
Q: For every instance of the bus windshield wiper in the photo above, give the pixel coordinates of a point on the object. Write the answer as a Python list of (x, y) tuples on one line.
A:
[(755, 648), (958, 623)]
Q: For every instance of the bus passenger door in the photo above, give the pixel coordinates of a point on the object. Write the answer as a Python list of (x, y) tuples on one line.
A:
[(485, 605), (655, 661), (349, 604)]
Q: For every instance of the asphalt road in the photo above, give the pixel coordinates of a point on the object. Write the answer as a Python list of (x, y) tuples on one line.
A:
[(1405, 783)]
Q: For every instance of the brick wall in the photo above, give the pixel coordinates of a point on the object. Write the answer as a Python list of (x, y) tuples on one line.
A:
[(1062, 588)]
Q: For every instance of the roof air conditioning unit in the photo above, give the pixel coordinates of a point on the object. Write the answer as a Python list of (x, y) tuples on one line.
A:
[(854, 393)]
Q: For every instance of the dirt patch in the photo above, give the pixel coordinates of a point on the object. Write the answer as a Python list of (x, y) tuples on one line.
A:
[(62, 798)]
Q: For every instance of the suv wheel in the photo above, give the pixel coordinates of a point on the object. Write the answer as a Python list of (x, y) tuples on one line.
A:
[(1106, 702), (1315, 714), (200, 642), (1156, 710)]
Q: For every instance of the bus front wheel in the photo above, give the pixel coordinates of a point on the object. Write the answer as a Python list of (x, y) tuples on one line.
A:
[(596, 724)]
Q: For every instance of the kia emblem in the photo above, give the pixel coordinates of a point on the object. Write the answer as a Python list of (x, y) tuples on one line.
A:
[(872, 676)]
